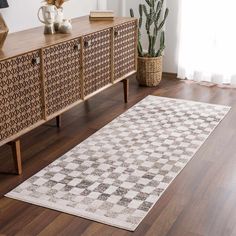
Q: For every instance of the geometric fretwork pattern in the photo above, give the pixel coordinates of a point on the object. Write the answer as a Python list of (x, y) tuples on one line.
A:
[(20, 94), (62, 75), (97, 61), (119, 173), (124, 49)]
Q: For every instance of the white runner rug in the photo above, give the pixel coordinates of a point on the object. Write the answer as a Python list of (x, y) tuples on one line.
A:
[(119, 173)]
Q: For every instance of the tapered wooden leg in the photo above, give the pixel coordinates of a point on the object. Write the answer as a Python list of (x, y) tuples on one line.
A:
[(58, 119), (126, 89), (15, 145)]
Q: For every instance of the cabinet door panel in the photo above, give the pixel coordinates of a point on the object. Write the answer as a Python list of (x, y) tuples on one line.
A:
[(21, 103), (62, 76), (124, 49), (97, 61)]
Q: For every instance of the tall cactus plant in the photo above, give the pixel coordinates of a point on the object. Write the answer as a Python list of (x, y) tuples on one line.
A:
[(155, 21)]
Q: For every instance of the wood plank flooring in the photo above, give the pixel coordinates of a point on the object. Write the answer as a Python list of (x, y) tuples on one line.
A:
[(200, 202)]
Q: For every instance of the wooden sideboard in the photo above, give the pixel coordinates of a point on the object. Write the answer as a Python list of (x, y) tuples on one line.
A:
[(42, 76)]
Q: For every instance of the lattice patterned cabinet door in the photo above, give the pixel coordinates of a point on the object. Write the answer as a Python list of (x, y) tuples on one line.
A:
[(124, 49), (62, 68), (21, 105), (97, 61)]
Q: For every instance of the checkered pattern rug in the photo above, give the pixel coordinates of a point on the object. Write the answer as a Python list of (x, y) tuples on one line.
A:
[(119, 173)]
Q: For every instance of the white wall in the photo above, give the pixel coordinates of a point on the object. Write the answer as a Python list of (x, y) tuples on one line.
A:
[(171, 52), (172, 29), (102, 4), (115, 5), (22, 14)]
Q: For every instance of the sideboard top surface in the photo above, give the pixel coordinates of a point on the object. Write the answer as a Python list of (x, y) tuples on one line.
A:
[(29, 40)]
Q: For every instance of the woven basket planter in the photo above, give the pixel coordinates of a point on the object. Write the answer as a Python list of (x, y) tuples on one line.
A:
[(149, 71)]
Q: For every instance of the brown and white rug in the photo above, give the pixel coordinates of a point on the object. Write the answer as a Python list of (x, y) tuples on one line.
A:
[(119, 173)]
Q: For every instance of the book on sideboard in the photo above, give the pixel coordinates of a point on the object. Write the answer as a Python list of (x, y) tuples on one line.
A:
[(101, 18), (102, 14)]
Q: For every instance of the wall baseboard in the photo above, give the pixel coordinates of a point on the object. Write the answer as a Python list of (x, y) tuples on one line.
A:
[(170, 75)]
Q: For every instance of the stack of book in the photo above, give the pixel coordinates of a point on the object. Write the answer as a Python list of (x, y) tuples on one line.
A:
[(101, 15)]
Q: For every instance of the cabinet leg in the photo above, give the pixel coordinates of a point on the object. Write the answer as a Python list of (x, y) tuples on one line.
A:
[(126, 89), (16, 152), (58, 120)]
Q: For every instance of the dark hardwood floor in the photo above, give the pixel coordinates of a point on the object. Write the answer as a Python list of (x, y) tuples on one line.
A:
[(200, 202)]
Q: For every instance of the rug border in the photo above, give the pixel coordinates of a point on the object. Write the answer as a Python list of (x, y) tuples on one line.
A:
[(106, 220), (191, 101), (71, 211)]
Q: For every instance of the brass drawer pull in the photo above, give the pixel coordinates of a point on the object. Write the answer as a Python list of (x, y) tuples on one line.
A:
[(87, 44), (116, 33), (36, 61), (77, 47)]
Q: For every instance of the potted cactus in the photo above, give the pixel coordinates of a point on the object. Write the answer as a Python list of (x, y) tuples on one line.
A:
[(150, 61)]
